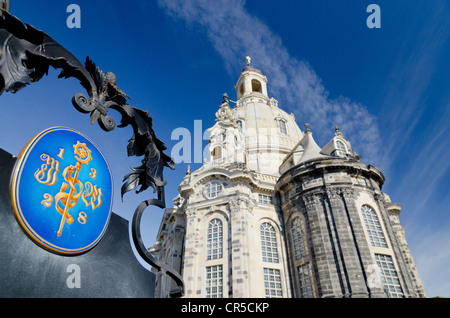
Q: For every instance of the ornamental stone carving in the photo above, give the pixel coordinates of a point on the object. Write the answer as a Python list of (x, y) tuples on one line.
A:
[(239, 204), (334, 195), (379, 198), (348, 193), (190, 213), (311, 201)]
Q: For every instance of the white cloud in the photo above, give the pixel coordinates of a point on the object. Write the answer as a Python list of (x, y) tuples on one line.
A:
[(417, 140), (429, 166), (235, 33)]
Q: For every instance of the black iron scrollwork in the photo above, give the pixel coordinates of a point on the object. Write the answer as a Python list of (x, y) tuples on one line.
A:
[(25, 57)]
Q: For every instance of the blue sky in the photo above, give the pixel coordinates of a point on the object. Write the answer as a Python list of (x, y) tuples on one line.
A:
[(388, 89)]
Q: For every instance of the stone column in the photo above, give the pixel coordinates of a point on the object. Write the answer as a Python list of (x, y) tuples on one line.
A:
[(323, 263), (347, 256), (394, 211), (177, 237), (190, 254), (239, 258)]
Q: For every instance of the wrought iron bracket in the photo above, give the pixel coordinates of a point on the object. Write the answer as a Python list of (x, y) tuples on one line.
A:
[(25, 57)]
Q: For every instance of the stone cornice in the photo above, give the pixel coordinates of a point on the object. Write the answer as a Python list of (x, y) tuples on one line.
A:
[(254, 179), (328, 165)]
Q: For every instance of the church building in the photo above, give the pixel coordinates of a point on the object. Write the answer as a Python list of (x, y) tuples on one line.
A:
[(272, 214)]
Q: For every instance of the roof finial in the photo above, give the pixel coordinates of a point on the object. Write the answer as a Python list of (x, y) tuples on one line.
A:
[(225, 98), (338, 132), (249, 60), (307, 128)]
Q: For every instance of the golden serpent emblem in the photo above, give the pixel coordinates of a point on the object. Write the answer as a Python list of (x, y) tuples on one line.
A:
[(64, 201)]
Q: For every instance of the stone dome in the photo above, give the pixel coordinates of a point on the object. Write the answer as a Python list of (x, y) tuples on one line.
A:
[(269, 132)]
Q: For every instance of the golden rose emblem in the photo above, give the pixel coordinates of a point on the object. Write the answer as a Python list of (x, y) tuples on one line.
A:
[(82, 153)]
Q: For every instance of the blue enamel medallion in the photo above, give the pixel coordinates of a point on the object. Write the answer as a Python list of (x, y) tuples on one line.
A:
[(62, 191)]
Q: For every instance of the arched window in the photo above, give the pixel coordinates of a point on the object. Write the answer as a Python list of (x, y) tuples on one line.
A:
[(256, 86), (217, 153), (241, 89), (373, 227), (269, 243), (340, 145), (298, 238), (240, 125), (341, 149), (215, 240)]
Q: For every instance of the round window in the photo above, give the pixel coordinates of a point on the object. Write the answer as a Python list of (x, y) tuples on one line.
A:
[(213, 189)]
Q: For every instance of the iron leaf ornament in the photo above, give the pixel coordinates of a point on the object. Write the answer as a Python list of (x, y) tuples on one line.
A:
[(25, 57)]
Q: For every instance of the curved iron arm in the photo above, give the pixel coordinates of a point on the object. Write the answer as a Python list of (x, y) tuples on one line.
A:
[(145, 254), (25, 57)]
